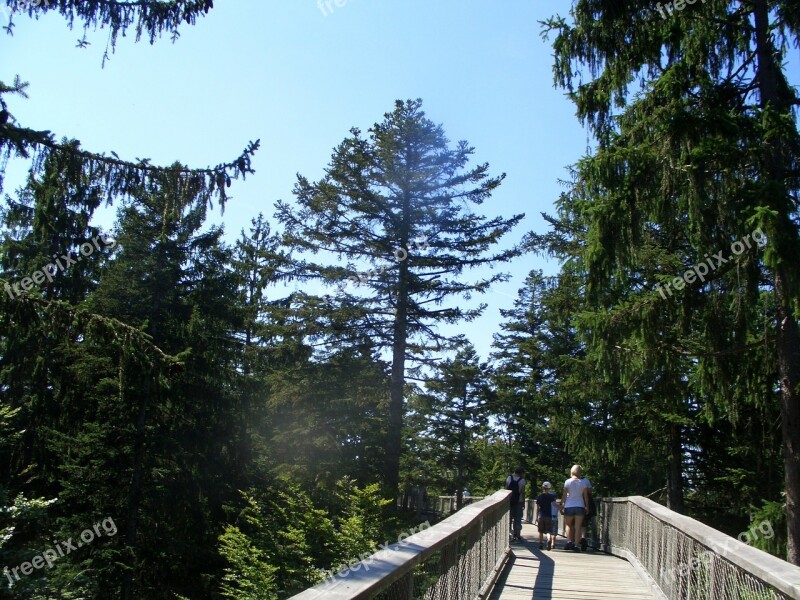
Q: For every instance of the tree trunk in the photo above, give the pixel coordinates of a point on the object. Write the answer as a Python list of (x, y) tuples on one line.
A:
[(788, 344), (675, 483), (394, 434), (394, 439), (786, 331), (135, 491)]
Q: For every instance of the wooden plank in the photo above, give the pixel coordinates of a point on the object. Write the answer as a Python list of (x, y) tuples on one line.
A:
[(535, 574)]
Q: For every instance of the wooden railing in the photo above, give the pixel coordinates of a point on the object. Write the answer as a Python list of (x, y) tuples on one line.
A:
[(682, 559), (458, 558)]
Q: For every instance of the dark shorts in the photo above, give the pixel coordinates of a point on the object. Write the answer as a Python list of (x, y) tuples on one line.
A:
[(545, 524), (574, 511)]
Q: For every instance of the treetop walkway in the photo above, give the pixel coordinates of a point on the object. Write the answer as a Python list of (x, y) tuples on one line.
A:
[(535, 574), (641, 550)]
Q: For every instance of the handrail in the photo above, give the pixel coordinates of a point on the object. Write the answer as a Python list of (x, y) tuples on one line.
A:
[(684, 559), (453, 559)]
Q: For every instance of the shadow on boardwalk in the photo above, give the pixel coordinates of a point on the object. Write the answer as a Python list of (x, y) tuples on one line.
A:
[(534, 574)]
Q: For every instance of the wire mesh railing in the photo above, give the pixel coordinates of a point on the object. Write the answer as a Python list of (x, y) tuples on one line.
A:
[(458, 558), (682, 559), (446, 505), (440, 505)]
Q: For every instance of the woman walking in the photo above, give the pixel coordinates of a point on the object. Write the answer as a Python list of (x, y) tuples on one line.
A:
[(574, 503)]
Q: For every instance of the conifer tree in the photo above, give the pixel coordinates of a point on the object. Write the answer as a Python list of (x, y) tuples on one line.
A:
[(456, 412), (527, 370), (174, 281), (704, 154), (396, 206), (256, 265)]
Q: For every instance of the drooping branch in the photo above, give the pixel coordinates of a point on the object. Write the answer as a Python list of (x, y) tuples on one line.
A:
[(57, 314), (121, 177), (149, 17)]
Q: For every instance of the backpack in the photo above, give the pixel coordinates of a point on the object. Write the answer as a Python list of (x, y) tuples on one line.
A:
[(514, 487)]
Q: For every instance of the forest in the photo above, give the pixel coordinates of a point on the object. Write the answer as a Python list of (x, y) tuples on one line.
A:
[(219, 436)]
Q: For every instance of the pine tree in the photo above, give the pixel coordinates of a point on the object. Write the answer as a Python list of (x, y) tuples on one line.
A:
[(455, 407), (397, 203), (175, 282), (704, 154)]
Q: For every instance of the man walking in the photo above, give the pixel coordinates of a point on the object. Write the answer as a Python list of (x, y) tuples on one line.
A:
[(516, 483)]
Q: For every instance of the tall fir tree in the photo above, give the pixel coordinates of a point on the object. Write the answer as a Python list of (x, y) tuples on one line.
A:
[(455, 407), (397, 204), (705, 153), (175, 282)]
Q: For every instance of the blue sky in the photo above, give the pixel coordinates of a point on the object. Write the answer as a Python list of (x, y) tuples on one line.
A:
[(298, 79)]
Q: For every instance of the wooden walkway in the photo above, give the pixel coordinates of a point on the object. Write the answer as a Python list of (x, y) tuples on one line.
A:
[(536, 574)]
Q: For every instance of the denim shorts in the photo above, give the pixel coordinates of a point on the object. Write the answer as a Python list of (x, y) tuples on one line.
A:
[(574, 511)]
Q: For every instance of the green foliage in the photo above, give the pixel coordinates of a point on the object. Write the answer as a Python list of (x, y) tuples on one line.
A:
[(360, 524), (247, 576), (23, 516), (280, 526), (290, 542), (328, 419), (119, 178), (454, 411), (697, 147), (152, 18), (26, 524), (769, 527)]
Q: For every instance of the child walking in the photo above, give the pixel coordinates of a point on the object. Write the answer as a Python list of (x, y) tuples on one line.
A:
[(544, 515)]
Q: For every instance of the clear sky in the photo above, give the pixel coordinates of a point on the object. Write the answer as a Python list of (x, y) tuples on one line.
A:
[(299, 78)]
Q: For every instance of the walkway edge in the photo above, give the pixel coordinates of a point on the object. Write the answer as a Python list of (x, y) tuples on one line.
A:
[(655, 589), (488, 587), (772, 571)]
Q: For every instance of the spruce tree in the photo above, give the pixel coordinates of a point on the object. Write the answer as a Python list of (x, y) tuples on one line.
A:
[(393, 221), (705, 153), (174, 281), (455, 409)]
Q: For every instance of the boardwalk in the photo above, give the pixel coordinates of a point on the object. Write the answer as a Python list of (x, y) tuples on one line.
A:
[(564, 575)]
